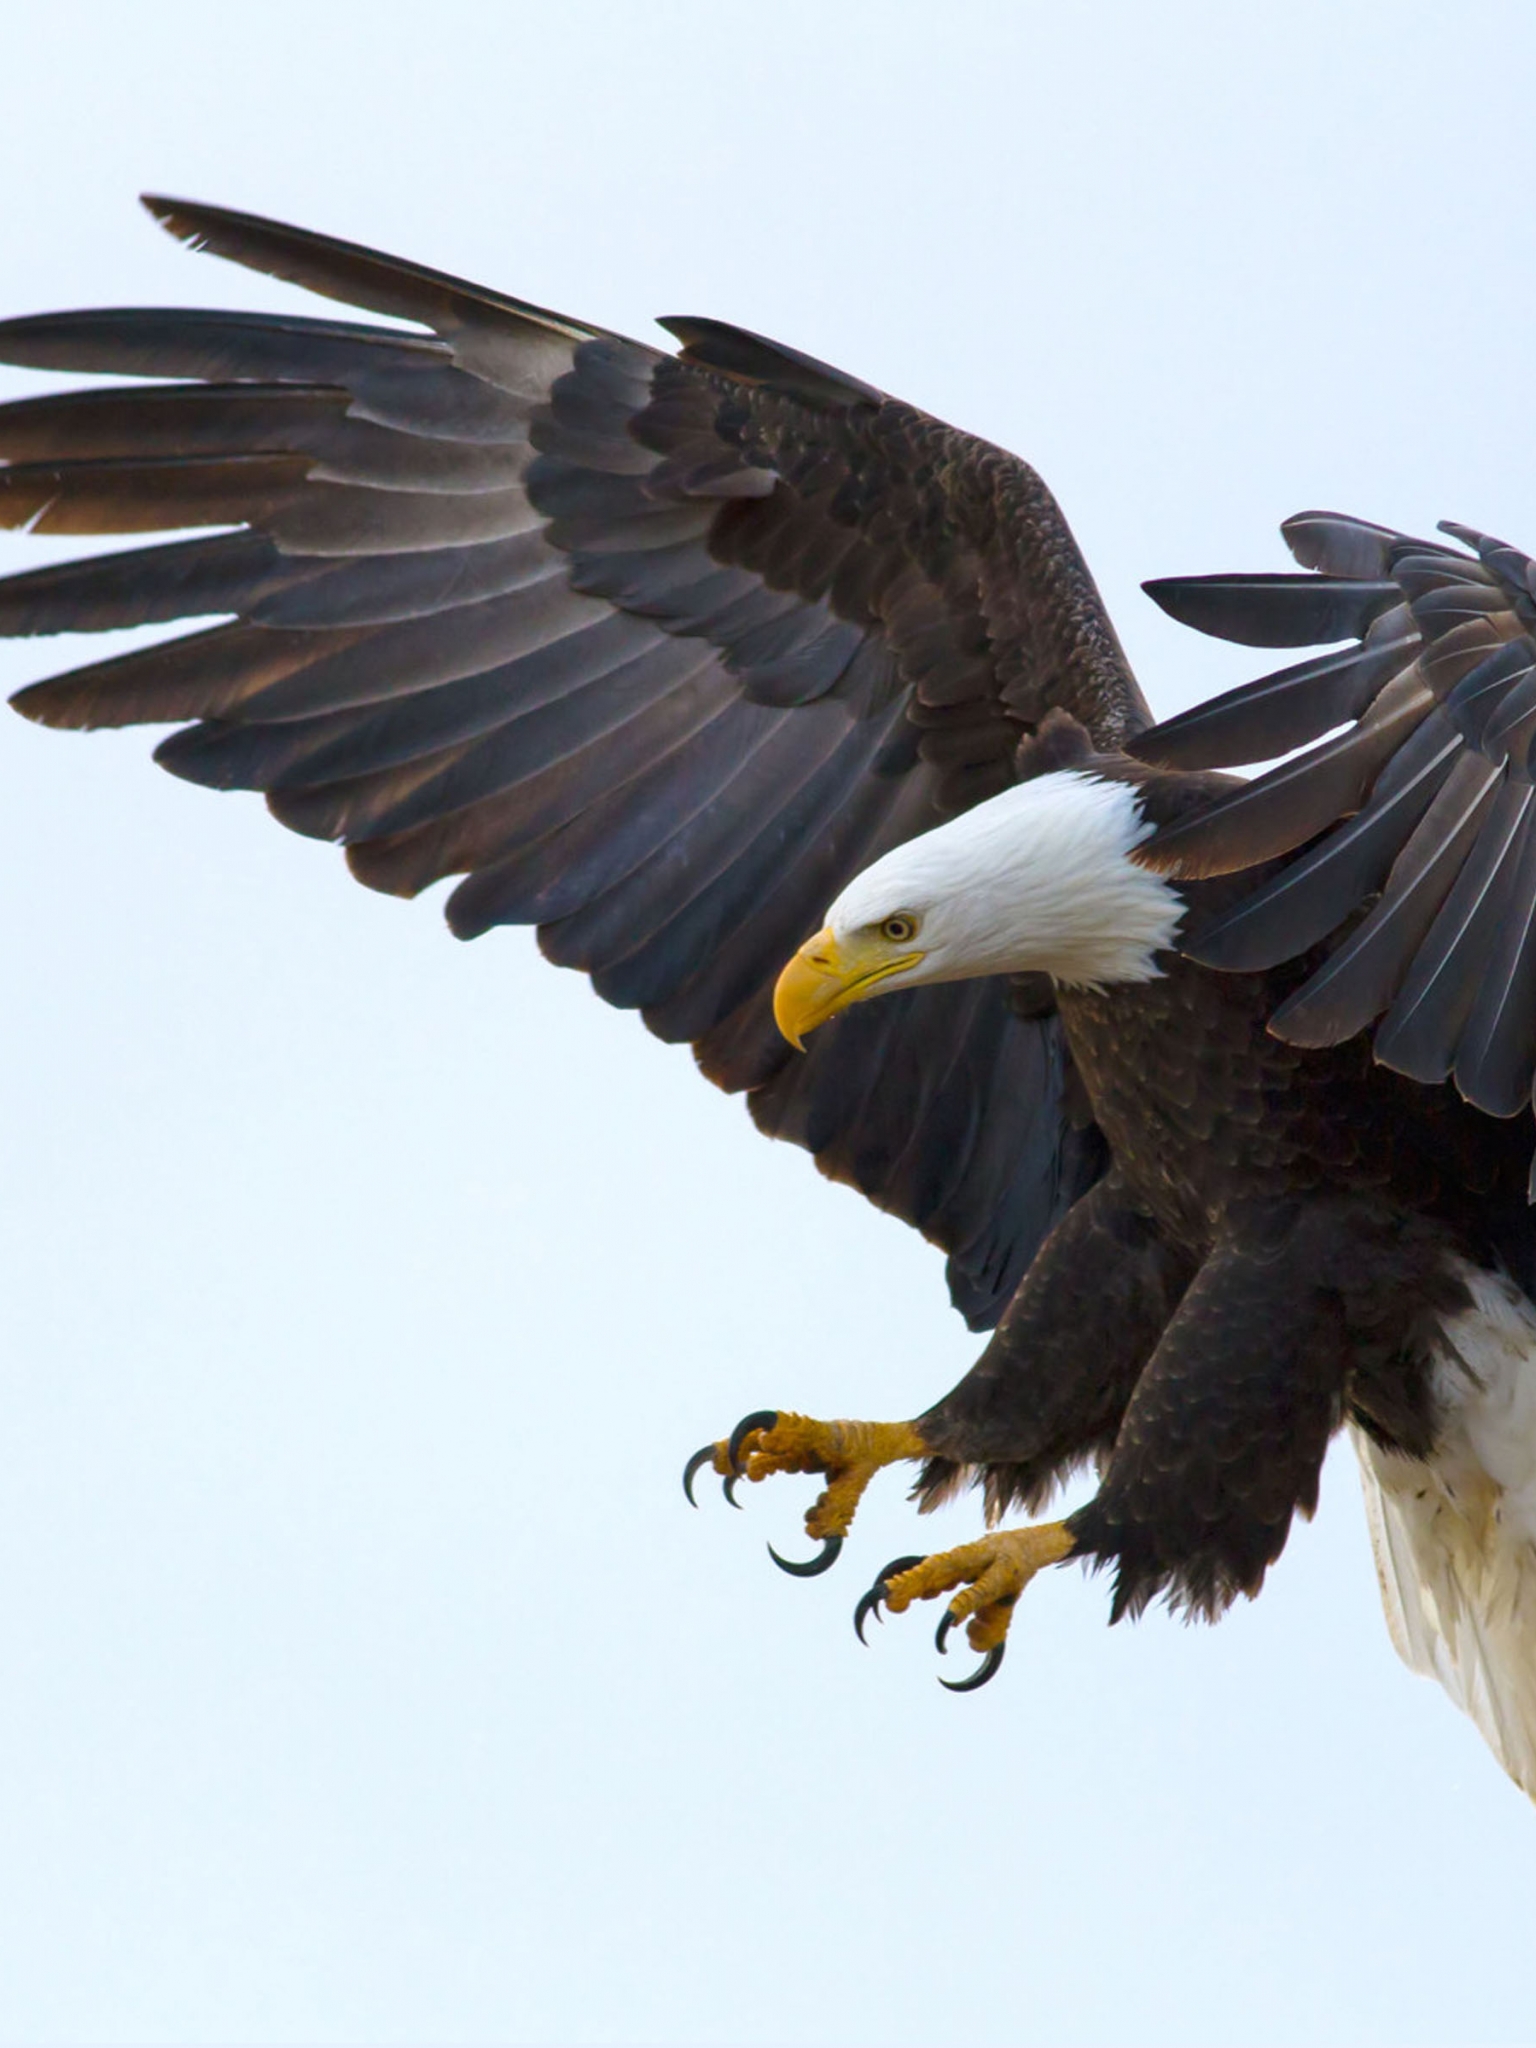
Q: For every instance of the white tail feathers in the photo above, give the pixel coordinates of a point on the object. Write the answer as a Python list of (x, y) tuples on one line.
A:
[(1455, 1538)]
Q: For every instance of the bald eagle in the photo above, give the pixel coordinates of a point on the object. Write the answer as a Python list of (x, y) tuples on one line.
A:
[(1213, 1089)]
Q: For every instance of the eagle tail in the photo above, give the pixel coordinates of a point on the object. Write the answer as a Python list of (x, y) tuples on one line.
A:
[(1455, 1537)]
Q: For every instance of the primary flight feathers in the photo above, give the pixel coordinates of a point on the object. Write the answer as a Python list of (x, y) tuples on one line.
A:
[(659, 651), (608, 631), (1421, 812)]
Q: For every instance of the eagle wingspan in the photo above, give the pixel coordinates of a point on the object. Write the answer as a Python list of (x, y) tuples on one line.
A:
[(656, 652), (1414, 827)]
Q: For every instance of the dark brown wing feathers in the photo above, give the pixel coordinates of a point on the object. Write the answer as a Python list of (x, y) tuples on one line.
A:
[(1421, 814), (654, 652)]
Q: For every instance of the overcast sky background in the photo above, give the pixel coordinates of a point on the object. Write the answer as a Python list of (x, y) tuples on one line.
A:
[(363, 1674)]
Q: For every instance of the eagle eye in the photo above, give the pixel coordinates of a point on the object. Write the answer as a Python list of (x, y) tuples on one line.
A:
[(899, 929)]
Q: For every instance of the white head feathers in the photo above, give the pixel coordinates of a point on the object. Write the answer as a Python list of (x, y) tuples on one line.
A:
[(1038, 879)]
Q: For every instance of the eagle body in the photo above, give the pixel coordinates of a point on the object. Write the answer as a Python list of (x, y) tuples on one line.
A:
[(775, 704), (1300, 1237), (1288, 1238)]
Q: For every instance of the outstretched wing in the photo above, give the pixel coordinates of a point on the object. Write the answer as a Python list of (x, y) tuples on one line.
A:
[(1417, 819), (655, 652)]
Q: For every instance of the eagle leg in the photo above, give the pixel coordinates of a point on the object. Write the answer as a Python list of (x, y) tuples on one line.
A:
[(848, 1454), (991, 1572), (1307, 1306), (1051, 1388)]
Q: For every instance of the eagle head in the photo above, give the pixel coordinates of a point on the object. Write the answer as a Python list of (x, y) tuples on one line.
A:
[(1037, 880)]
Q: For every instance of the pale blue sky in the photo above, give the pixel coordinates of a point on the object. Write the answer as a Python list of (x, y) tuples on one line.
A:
[(363, 1674)]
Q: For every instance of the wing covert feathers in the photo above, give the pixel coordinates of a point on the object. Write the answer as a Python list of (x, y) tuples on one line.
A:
[(654, 652), (1406, 823)]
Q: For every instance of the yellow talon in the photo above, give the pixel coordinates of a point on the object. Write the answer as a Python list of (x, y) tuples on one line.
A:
[(991, 1572), (848, 1453)]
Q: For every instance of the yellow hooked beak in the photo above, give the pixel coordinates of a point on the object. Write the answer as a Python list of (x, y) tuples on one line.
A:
[(825, 976)]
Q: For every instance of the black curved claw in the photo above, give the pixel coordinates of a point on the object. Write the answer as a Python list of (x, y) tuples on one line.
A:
[(811, 1567), (760, 1418), (987, 1668), (699, 1458), (869, 1604), (728, 1488), (947, 1621)]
